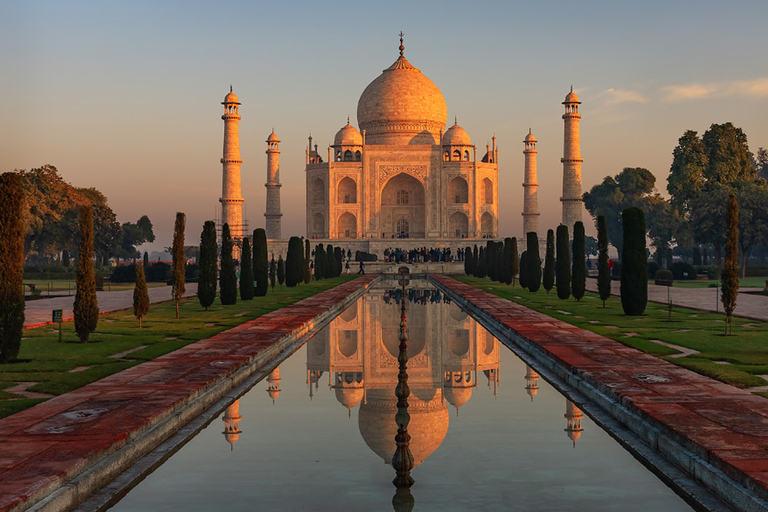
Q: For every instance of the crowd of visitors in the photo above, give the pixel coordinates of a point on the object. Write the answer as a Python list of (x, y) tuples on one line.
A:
[(422, 255)]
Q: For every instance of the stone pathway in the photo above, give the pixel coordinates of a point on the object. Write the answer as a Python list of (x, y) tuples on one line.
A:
[(38, 312), (42, 449), (698, 423), (706, 299), (21, 389), (684, 352)]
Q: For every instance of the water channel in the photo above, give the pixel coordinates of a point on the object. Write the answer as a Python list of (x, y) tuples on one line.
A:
[(487, 433)]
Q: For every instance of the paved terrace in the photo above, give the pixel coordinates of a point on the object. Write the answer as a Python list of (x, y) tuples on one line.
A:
[(38, 312), (45, 449), (714, 432)]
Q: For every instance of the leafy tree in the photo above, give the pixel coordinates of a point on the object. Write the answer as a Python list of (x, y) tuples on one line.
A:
[(515, 260), (686, 175), (307, 261), (664, 224), (468, 267), (604, 271), (534, 262), (208, 264), (260, 264), (134, 235), (590, 246), (228, 276), (140, 295), (728, 157), (729, 277), (319, 262), (86, 306), (549, 262), (634, 263), (272, 272), (247, 290), (507, 263), (752, 198), (482, 266), (563, 264), (579, 271), (294, 271), (280, 270), (179, 260), (761, 163), (11, 265)]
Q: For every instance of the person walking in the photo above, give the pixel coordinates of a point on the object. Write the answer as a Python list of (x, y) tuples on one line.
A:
[(362, 268)]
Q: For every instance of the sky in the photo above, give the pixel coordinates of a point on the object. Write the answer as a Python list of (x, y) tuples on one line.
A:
[(126, 96)]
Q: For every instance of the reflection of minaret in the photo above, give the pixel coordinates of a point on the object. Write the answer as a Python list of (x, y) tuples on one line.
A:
[(530, 187), (273, 384), (573, 415), (572, 201), (349, 387), (231, 197), (531, 382), (493, 376), (313, 377), (273, 185), (232, 424)]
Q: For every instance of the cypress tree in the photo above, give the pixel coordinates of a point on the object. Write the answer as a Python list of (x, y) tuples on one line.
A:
[(562, 263), (468, 269), (579, 270), (524, 270), (475, 261), (228, 276), (515, 260), (140, 295), (307, 261), (319, 262), (482, 265), (337, 259), (146, 260), (246, 272), (272, 272), (490, 259), (729, 277), (549, 262), (534, 262), (260, 263), (330, 262), (12, 229), (507, 261), (280, 270), (634, 265), (604, 271), (86, 307), (294, 271), (208, 263), (179, 260)]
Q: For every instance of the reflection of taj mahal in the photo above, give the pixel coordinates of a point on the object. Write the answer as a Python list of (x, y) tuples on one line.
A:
[(404, 176)]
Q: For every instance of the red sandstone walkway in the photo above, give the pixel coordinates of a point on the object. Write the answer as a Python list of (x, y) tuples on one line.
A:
[(44, 447), (725, 426)]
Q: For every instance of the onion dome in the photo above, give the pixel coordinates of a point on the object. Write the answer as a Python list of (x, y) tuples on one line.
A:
[(571, 97), (401, 106), (273, 137), (349, 397), (231, 97), (457, 396), (456, 136), (348, 136), (530, 137)]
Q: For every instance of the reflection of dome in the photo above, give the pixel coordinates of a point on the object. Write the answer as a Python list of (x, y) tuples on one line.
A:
[(456, 136), (457, 396), (349, 397), (401, 106), (427, 428), (348, 136)]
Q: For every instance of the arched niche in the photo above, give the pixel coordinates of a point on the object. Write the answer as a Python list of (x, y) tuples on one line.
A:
[(318, 191), (458, 191), (347, 226), (487, 191), (403, 200), (458, 225), (318, 224), (347, 191), (486, 224)]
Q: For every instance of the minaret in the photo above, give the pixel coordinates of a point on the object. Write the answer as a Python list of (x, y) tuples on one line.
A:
[(572, 201), (273, 384), (273, 188), (232, 423), (231, 197), (573, 417), (530, 187)]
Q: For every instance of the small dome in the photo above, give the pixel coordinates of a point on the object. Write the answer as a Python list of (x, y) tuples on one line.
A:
[(529, 137), (273, 137), (348, 136), (456, 136), (457, 396), (349, 397), (571, 98), (231, 98)]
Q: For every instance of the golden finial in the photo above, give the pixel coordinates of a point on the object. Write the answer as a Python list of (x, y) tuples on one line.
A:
[(571, 87), (347, 119), (230, 88), (455, 120), (401, 43)]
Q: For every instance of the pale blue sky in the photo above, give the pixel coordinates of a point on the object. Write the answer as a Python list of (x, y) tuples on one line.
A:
[(125, 96)]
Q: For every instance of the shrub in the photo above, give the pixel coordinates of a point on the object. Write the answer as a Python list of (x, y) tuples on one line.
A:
[(663, 277), (365, 256), (712, 271), (124, 274), (680, 269), (634, 274), (652, 268)]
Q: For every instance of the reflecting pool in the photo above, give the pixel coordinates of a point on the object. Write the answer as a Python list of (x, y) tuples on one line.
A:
[(486, 433)]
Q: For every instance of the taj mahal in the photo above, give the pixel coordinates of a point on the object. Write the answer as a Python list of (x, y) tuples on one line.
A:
[(400, 177)]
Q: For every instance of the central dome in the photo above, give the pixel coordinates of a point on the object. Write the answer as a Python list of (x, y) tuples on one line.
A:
[(402, 106)]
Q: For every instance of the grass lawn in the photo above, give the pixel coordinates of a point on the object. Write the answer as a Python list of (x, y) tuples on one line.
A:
[(44, 361), (747, 282), (746, 351)]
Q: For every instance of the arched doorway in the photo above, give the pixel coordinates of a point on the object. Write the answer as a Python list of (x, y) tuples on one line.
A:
[(458, 225), (318, 225), (458, 191), (347, 192), (347, 226), (403, 204), (488, 191), (486, 225)]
